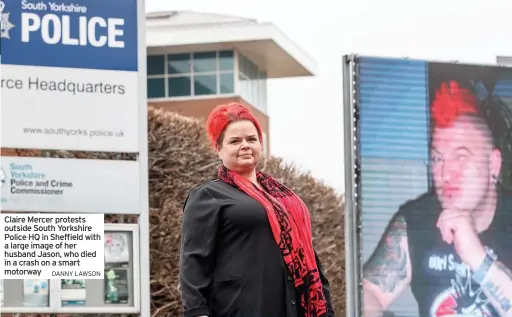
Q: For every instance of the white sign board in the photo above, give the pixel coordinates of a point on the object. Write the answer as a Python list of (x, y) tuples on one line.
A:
[(70, 75), (69, 185), (73, 77)]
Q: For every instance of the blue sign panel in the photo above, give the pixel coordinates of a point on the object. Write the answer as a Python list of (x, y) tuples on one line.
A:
[(90, 34)]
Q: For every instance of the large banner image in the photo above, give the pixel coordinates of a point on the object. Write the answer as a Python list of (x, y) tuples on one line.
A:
[(435, 200)]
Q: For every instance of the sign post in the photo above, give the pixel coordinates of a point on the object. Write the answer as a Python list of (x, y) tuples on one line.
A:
[(73, 78)]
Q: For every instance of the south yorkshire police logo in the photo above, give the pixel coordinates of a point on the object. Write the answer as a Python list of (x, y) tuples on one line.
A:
[(5, 24)]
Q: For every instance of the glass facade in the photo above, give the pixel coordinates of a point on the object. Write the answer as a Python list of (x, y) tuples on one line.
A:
[(252, 83), (265, 144), (206, 74), (191, 74)]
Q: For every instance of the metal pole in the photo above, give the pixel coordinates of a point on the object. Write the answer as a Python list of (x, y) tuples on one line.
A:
[(144, 265), (350, 261)]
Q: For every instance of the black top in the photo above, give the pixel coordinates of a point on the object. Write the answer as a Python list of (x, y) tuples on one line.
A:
[(230, 263), (441, 284)]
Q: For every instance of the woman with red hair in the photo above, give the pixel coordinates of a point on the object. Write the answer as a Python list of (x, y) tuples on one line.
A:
[(246, 238)]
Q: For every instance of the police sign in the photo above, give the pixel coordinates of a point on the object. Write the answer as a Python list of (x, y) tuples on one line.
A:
[(70, 74), (91, 34), (32, 23)]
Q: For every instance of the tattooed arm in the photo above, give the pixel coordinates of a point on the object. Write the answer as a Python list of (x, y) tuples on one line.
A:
[(388, 271), (497, 286)]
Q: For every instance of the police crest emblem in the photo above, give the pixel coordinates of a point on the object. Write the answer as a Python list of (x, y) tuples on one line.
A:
[(5, 24)]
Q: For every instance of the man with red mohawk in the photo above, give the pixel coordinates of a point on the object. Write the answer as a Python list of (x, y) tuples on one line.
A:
[(450, 245)]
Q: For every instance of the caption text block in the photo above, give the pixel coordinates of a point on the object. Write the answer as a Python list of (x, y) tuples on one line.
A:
[(46, 246)]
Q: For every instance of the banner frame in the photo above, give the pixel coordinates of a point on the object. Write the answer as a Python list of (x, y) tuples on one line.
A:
[(352, 267)]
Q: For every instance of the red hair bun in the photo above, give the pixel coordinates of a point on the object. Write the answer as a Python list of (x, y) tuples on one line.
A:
[(222, 115)]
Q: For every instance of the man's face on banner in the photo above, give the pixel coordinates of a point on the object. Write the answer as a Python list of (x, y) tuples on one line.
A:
[(463, 162)]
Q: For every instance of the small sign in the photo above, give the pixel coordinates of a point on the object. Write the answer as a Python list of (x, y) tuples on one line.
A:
[(69, 185)]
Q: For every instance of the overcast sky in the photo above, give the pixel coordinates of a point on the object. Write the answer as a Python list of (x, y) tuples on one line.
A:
[(309, 110)]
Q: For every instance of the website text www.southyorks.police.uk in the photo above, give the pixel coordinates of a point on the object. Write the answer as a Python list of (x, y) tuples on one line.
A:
[(92, 133)]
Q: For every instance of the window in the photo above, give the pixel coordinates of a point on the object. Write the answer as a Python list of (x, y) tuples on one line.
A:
[(179, 86), (156, 65), (178, 64), (252, 82), (205, 62), (205, 85), (191, 74), (156, 87), (265, 143), (227, 83), (226, 60)]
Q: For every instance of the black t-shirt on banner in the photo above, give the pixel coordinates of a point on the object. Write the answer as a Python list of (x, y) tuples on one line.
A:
[(441, 283)]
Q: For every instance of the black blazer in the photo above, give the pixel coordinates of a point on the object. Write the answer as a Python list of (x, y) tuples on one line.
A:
[(230, 264)]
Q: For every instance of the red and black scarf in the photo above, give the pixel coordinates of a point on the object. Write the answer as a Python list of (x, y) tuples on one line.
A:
[(291, 227)]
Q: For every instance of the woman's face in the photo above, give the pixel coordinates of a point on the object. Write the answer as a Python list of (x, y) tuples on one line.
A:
[(240, 149)]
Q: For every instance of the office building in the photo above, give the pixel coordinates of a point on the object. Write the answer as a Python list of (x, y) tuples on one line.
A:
[(197, 61)]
